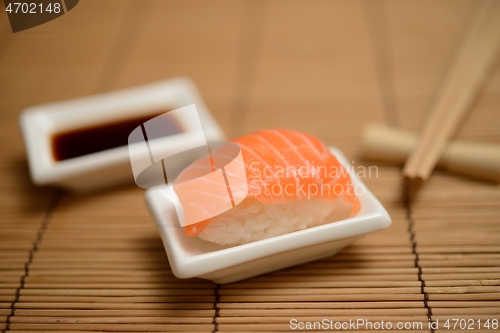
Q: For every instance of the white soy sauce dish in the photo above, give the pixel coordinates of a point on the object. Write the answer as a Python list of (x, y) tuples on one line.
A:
[(49, 129), (193, 257)]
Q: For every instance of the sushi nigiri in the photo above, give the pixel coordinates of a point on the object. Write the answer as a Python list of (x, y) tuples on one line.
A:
[(293, 182)]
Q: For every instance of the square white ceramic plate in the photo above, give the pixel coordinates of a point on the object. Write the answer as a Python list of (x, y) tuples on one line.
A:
[(194, 257), (108, 167)]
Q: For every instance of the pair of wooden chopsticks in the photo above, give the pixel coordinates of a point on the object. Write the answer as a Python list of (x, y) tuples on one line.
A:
[(476, 57)]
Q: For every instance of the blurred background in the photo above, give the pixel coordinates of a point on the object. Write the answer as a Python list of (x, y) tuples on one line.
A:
[(325, 67)]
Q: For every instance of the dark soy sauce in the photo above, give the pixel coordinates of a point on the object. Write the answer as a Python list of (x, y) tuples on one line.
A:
[(93, 139)]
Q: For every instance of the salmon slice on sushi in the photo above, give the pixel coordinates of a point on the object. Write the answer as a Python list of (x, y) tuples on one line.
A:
[(292, 182)]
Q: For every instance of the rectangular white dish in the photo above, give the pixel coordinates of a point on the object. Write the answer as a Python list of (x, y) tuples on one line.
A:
[(109, 167), (194, 257)]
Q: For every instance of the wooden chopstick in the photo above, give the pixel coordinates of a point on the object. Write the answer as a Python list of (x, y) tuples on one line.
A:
[(476, 57)]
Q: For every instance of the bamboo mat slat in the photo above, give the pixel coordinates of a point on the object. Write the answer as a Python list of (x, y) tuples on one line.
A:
[(134, 304), (286, 319), (84, 263), (142, 320), (291, 313), (493, 309), (45, 327), (171, 329), (327, 298), (327, 305), (270, 327), (118, 299), (472, 304), (487, 296)]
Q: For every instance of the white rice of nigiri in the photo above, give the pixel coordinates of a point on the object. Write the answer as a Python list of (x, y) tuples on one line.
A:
[(252, 220)]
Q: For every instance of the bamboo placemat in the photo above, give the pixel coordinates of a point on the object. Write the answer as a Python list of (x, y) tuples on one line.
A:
[(96, 262)]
